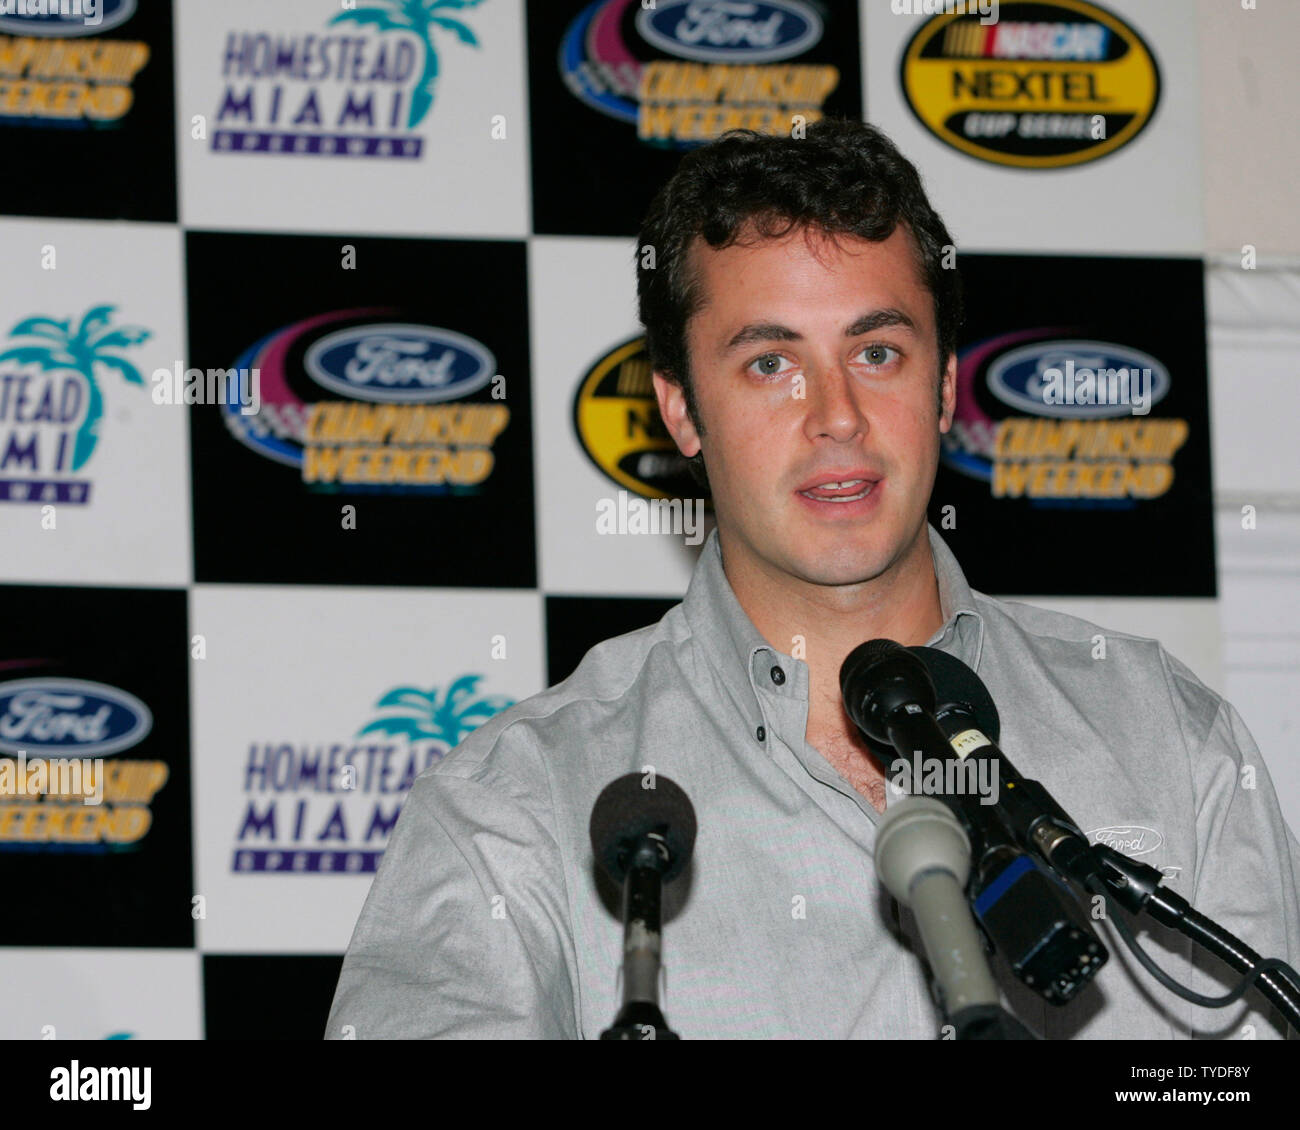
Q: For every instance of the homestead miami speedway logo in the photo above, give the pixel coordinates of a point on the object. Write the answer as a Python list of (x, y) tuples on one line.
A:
[(329, 807), (53, 377), (361, 89), (729, 65), (56, 67), (366, 401), (1062, 419), (1049, 85)]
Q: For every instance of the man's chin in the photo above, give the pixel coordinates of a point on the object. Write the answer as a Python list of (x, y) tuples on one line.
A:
[(839, 565), (849, 555)]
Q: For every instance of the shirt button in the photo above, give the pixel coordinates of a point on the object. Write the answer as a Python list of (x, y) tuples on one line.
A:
[(761, 734), (778, 676)]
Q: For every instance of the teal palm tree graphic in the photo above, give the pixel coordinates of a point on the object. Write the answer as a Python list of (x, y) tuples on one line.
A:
[(416, 16), (427, 716), (58, 347)]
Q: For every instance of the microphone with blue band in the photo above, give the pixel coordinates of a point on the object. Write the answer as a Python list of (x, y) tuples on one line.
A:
[(1030, 917)]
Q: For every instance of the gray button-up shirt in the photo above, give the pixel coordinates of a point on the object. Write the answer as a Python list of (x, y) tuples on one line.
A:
[(487, 917)]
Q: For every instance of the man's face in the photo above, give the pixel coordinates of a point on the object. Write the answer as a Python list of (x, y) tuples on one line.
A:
[(812, 364)]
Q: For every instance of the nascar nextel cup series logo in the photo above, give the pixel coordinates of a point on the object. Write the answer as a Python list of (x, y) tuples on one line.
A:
[(45, 79), (731, 69), (1050, 84), (1073, 420), (619, 428), (383, 424)]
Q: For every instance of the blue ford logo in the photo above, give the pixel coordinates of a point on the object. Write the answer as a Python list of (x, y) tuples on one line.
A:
[(63, 17), (1078, 379), (742, 31), (399, 362), (69, 716)]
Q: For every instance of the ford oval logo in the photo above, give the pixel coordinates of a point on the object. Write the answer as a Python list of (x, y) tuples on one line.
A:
[(743, 31), (399, 362), (1021, 378), (53, 20), (1131, 839), (69, 716)]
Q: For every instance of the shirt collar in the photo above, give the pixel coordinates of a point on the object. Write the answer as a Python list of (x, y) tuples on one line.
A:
[(737, 650)]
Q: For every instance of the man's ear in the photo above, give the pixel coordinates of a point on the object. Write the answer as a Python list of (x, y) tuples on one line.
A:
[(949, 388), (672, 407)]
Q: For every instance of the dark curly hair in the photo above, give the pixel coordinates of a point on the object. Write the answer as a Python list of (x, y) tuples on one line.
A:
[(843, 177)]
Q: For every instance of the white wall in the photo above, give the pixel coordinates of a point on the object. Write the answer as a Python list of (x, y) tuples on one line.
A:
[(1250, 87)]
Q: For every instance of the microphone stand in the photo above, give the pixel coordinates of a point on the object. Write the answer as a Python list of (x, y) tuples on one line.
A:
[(640, 1017), (1137, 887), (642, 833), (877, 679)]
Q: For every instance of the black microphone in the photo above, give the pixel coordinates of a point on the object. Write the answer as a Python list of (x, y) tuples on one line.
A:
[(1028, 915), (1042, 824), (1039, 824), (642, 836)]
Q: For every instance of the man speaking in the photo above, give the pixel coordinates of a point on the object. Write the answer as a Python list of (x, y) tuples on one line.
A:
[(803, 333)]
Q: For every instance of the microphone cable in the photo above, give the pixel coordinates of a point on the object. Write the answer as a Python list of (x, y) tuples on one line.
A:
[(1246, 956)]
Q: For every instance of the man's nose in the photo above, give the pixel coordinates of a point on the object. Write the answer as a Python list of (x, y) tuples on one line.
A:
[(833, 407)]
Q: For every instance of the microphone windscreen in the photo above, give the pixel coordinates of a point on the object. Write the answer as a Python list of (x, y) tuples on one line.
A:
[(877, 677), (628, 809), (865, 656), (957, 687)]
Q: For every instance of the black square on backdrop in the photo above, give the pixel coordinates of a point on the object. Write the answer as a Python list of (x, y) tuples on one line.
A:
[(275, 303), (95, 147), (575, 624), (592, 174), (268, 996), (84, 888), (1026, 314)]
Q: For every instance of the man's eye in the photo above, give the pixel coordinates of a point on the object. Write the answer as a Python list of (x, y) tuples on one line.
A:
[(877, 355), (769, 365)]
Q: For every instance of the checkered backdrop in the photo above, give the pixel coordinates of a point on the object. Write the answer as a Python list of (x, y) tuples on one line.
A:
[(320, 364)]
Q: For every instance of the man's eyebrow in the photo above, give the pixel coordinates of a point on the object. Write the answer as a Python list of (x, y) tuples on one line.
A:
[(878, 320), (761, 331), (757, 332)]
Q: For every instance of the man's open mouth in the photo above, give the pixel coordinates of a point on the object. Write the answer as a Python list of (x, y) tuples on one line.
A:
[(848, 491)]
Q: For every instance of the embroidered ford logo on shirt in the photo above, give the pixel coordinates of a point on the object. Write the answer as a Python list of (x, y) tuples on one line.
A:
[(1131, 839)]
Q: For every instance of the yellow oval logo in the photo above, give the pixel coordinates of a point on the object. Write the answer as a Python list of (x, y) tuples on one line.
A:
[(617, 420), (1047, 86)]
